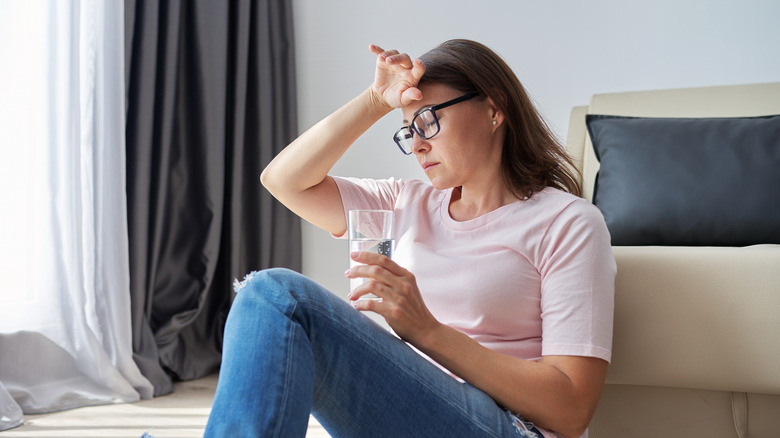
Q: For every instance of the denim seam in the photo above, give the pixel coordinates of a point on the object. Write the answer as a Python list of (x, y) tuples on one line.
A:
[(287, 373)]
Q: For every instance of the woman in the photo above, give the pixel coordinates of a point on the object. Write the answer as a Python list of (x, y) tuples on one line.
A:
[(501, 275)]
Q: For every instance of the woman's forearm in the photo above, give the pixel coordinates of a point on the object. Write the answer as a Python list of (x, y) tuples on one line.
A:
[(308, 159), (298, 176), (559, 393)]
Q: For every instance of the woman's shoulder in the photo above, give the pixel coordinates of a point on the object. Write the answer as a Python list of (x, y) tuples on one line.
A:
[(415, 191), (391, 191), (409, 187), (394, 184), (572, 216), (556, 198), (556, 206)]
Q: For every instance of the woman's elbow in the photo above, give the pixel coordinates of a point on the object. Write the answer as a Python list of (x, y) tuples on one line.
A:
[(576, 423), (265, 179), (269, 180)]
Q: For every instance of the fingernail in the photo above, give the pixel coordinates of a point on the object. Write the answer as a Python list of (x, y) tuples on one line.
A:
[(354, 254), (346, 272)]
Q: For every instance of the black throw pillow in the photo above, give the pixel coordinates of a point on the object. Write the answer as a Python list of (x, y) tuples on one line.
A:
[(688, 181)]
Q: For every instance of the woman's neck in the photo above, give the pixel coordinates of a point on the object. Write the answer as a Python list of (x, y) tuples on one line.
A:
[(467, 204)]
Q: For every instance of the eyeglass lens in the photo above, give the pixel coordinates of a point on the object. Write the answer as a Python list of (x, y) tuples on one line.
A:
[(404, 140), (425, 124)]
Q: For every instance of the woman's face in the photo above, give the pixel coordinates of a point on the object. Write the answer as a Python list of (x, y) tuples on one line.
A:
[(467, 149)]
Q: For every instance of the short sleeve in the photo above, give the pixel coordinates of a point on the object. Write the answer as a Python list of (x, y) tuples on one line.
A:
[(578, 284), (368, 194)]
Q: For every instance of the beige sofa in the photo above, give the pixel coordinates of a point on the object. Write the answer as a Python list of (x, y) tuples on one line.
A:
[(696, 348)]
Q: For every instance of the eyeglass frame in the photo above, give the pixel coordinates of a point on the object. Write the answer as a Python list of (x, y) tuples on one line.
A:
[(413, 129)]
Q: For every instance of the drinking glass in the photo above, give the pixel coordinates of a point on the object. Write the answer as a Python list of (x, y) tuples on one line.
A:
[(372, 231)]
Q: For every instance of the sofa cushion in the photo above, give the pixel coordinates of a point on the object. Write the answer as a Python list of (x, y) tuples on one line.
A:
[(688, 181)]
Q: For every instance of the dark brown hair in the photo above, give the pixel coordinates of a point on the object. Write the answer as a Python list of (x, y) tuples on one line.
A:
[(532, 158)]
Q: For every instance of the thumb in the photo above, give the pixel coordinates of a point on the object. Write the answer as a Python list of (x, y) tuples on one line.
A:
[(410, 94)]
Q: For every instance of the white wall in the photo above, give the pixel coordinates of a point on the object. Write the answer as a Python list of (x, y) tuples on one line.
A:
[(562, 51)]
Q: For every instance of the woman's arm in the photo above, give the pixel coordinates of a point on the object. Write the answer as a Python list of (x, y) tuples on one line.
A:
[(298, 176), (559, 393)]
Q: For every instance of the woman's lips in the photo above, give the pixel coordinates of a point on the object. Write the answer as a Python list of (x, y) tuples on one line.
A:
[(428, 165)]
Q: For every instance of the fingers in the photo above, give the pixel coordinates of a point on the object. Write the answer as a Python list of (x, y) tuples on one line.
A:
[(401, 59), (382, 53), (376, 50), (374, 287), (394, 57), (418, 69), (396, 77), (366, 305), (372, 258), (381, 274), (375, 278)]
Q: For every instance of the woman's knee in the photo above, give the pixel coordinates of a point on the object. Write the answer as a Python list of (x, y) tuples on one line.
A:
[(265, 279), (281, 287)]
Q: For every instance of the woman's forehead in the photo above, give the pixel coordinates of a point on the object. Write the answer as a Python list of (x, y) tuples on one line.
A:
[(432, 94)]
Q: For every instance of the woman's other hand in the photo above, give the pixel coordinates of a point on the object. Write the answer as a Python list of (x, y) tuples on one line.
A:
[(402, 305), (396, 77)]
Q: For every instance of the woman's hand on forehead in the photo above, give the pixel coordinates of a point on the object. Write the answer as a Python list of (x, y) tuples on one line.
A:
[(396, 77)]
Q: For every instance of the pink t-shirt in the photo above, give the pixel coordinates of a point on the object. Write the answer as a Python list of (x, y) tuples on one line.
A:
[(529, 279)]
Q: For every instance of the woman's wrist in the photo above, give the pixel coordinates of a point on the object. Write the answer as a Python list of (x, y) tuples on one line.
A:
[(376, 102), (431, 339)]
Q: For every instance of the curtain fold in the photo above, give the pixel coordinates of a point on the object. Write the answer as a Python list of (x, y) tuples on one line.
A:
[(65, 337), (211, 99)]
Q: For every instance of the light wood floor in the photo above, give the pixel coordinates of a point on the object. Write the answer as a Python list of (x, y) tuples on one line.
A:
[(182, 414)]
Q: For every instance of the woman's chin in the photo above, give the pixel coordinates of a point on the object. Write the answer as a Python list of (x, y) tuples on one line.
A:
[(440, 185)]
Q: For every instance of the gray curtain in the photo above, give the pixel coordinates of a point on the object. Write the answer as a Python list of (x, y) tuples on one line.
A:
[(211, 99)]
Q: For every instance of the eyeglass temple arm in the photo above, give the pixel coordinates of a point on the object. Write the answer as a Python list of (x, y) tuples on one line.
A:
[(454, 101)]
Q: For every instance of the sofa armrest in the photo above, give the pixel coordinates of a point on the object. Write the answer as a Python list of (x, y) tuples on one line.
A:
[(697, 317)]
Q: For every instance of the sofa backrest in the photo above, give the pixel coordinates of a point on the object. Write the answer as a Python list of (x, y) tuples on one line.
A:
[(690, 317), (722, 101)]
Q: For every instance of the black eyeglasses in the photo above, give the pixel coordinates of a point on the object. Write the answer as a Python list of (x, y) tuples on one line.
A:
[(425, 124)]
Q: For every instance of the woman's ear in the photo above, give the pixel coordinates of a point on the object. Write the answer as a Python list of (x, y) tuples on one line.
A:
[(494, 112)]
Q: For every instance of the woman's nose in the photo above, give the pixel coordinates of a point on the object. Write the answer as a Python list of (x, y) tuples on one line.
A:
[(420, 145)]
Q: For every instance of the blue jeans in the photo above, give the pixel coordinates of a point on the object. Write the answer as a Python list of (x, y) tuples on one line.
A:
[(292, 348)]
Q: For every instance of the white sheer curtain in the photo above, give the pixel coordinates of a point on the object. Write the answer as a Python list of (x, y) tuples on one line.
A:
[(65, 338)]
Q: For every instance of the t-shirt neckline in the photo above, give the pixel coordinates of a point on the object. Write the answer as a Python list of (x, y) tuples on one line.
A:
[(470, 224)]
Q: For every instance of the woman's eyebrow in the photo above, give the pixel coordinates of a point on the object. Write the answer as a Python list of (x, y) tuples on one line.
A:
[(416, 113)]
